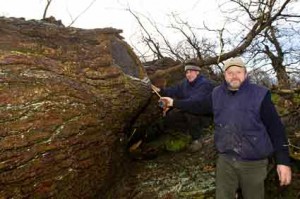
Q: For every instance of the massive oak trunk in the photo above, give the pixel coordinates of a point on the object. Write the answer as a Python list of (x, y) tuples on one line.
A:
[(66, 96)]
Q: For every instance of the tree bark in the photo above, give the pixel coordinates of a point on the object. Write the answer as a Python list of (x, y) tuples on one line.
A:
[(67, 95), (277, 60)]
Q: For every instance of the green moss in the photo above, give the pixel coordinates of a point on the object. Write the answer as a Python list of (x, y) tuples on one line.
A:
[(177, 142), (296, 99), (278, 102), (275, 98)]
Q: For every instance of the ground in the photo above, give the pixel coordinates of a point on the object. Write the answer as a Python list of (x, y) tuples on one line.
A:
[(169, 175), (156, 173)]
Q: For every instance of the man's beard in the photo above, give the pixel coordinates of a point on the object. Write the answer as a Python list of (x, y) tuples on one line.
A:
[(235, 84)]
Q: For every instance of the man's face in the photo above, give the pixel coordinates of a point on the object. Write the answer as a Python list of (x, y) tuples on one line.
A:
[(235, 76), (191, 75)]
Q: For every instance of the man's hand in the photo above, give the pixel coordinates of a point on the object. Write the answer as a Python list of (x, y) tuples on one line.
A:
[(167, 100), (154, 88), (284, 174)]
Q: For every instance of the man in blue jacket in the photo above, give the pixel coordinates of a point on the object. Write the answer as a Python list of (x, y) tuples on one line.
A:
[(194, 88), (248, 131)]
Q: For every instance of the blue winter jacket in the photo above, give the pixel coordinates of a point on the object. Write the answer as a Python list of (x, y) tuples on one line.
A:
[(188, 95)]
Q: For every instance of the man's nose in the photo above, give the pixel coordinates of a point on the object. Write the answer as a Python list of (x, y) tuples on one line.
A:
[(234, 74)]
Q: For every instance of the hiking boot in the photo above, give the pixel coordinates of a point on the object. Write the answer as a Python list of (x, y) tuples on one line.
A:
[(195, 146)]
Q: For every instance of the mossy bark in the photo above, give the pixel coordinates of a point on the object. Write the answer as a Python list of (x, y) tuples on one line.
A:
[(66, 96)]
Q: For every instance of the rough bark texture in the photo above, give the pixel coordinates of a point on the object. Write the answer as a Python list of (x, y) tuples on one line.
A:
[(66, 96)]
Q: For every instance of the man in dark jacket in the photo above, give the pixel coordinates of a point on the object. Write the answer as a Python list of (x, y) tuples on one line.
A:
[(248, 131), (194, 88)]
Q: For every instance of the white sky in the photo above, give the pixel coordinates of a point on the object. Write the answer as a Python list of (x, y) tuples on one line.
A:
[(112, 13)]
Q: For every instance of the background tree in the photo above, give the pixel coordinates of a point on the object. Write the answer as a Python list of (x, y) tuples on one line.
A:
[(279, 48), (247, 22)]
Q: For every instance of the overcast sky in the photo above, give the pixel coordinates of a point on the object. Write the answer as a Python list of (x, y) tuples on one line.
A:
[(112, 13)]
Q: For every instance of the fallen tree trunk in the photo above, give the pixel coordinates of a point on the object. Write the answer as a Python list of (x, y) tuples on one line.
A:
[(66, 97)]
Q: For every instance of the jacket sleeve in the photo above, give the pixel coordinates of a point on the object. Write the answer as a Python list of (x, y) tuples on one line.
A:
[(173, 91), (199, 103), (276, 130)]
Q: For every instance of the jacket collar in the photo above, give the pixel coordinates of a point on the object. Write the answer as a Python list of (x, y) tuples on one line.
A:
[(199, 79)]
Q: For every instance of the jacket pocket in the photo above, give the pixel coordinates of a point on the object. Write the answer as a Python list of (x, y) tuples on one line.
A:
[(256, 146), (249, 145), (227, 139)]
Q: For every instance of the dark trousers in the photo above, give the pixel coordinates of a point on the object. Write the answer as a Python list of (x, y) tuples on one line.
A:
[(192, 124), (248, 176)]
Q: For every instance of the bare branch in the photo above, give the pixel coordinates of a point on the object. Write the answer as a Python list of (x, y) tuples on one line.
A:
[(80, 14), (168, 44), (153, 45), (46, 8), (192, 40)]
